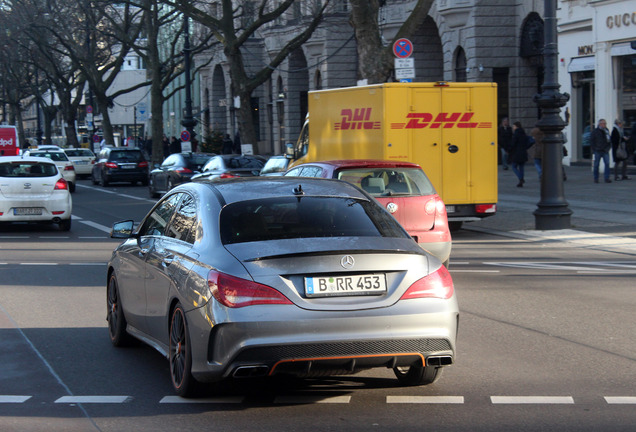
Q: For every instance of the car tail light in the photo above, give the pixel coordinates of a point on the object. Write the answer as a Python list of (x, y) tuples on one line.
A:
[(92, 161), (235, 292), (61, 184), (142, 164), (436, 285), (435, 206), (184, 171), (110, 165), (485, 208), (69, 168), (227, 175), (58, 212)]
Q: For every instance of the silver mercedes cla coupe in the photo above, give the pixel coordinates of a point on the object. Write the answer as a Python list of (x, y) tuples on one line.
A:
[(258, 276)]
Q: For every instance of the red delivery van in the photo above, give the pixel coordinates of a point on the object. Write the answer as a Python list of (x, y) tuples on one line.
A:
[(9, 145)]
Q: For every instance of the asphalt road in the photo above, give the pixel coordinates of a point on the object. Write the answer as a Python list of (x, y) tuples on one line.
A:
[(546, 342)]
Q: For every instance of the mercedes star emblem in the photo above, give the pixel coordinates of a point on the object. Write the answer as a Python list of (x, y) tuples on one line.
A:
[(347, 261)]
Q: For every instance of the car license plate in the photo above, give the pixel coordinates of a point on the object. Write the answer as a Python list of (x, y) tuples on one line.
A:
[(128, 166), (349, 285), (450, 209), (81, 162), (27, 211)]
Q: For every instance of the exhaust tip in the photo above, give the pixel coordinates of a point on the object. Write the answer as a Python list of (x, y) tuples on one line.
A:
[(56, 220), (250, 371), (439, 361)]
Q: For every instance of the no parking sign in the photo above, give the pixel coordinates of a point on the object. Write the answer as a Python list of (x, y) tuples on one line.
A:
[(403, 48)]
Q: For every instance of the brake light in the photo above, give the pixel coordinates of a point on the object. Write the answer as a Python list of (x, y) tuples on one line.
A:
[(435, 205), (436, 285), (184, 171), (92, 161), (235, 292), (142, 164), (61, 184), (69, 168), (110, 165), (227, 175), (485, 208)]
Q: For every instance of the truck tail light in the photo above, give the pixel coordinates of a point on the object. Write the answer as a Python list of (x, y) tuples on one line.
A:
[(485, 208), (235, 292), (436, 285)]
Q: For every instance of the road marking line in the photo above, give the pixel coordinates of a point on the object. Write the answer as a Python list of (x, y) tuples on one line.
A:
[(98, 226), (14, 237), (303, 399), (452, 270), (617, 400), (94, 399), (14, 399), (425, 399), (38, 264), (180, 400), (531, 399), (87, 264)]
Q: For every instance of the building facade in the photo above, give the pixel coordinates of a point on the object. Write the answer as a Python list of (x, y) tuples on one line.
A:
[(597, 66), (461, 40)]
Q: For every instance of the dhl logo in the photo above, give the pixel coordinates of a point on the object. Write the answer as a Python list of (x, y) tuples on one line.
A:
[(360, 118), (442, 120)]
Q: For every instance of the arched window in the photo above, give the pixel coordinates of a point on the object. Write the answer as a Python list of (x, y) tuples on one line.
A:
[(460, 65)]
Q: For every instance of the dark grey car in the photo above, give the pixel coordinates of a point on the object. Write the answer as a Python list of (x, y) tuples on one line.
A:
[(274, 275)]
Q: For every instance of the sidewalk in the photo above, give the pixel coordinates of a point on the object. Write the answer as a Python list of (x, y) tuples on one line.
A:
[(604, 214)]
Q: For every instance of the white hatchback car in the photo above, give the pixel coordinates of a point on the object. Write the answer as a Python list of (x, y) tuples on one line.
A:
[(63, 163), (33, 190), (83, 160)]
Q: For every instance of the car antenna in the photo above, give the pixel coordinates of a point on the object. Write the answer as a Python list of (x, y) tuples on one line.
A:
[(299, 190)]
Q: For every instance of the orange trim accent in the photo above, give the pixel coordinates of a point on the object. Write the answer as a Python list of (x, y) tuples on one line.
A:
[(271, 372)]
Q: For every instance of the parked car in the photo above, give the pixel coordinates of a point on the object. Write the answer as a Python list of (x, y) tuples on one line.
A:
[(275, 166), (231, 165), (262, 276), (33, 190), (83, 160), (63, 163), (403, 188), (176, 169), (118, 164)]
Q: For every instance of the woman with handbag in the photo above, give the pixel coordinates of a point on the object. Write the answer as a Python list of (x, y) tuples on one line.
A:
[(619, 150)]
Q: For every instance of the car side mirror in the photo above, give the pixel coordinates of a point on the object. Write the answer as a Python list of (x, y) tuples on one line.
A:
[(289, 150), (122, 229)]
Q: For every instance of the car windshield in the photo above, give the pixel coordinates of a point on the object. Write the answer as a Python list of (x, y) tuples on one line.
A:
[(275, 165), (306, 217), (124, 155), (197, 161), (389, 181), (54, 156), (79, 153), (27, 169), (244, 162)]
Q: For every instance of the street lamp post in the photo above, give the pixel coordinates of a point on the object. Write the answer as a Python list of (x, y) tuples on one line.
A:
[(552, 210), (188, 121)]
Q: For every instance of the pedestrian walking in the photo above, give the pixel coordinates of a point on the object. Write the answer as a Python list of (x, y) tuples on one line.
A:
[(165, 146), (227, 144), (601, 145), (619, 150), (175, 145), (518, 155), (504, 140), (535, 152)]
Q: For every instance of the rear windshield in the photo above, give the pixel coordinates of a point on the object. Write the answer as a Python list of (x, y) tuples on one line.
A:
[(389, 181), (121, 155), (275, 165), (54, 156), (196, 161), (79, 153), (306, 217), (244, 162), (27, 169)]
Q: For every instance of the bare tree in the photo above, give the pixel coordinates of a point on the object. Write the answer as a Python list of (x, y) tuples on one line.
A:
[(235, 24), (375, 59)]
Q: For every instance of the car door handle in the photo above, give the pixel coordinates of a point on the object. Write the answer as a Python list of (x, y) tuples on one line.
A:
[(167, 259), (143, 251)]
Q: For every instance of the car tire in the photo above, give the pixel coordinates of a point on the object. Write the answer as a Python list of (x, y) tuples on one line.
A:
[(93, 180), (455, 225), (417, 374), (71, 187), (144, 182), (180, 354), (151, 190), (115, 315), (65, 225), (103, 181)]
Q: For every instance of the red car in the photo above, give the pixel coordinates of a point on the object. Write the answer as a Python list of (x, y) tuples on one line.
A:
[(401, 187)]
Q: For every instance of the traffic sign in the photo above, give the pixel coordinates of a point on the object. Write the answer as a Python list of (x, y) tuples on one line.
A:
[(89, 109), (405, 73), (404, 63), (402, 48), (185, 136)]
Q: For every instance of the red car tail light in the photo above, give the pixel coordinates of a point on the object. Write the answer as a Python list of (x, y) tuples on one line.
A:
[(235, 292), (436, 285), (226, 175), (110, 165), (61, 184), (184, 171), (142, 164), (69, 168), (485, 208)]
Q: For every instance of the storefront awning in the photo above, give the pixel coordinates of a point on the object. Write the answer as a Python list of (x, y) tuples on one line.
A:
[(582, 64)]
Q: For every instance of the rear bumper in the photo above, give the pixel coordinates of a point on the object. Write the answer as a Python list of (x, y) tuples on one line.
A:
[(61, 206)]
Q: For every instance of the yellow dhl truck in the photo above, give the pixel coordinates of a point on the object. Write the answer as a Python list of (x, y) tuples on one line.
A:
[(448, 128)]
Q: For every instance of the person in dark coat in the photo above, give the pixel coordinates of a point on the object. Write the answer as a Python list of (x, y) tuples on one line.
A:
[(518, 155), (227, 144), (504, 139), (619, 139), (165, 146), (601, 145), (175, 145)]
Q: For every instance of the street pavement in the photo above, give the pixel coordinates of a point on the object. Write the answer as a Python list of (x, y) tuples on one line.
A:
[(603, 218)]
